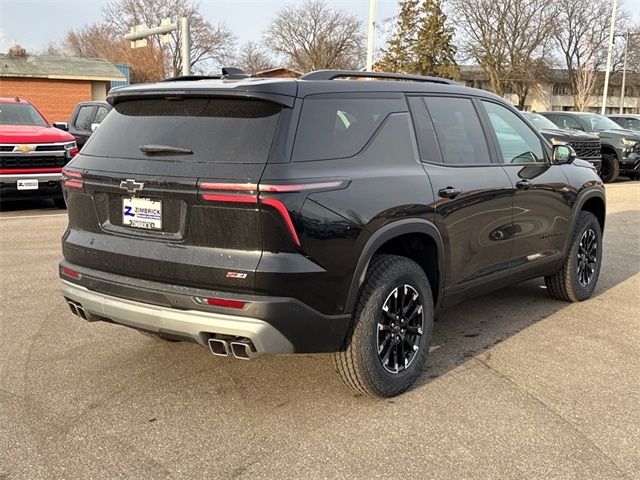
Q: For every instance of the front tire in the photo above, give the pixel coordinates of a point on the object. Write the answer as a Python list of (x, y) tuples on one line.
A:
[(388, 343), (579, 275), (610, 168)]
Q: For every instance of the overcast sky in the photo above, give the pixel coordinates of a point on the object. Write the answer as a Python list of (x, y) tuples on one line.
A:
[(33, 23)]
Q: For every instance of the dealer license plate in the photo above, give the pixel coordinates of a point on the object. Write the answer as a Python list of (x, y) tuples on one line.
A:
[(142, 213), (28, 184)]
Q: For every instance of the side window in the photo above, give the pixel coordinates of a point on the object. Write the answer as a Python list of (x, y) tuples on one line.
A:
[(83, 119), (425, 133), (565, 121), (331, 128), (518, 143), (100, 114), (458, 130)]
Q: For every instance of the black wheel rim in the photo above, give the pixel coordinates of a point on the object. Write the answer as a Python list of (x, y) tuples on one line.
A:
[(400, 329), (605, 169), (587, 257)]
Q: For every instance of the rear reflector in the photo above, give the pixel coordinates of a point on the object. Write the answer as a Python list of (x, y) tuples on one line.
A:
[(221, 302), (71, 273), (299, 187)]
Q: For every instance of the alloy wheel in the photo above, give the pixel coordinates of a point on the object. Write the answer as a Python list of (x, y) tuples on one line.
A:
[(400, 329), (587, 257)]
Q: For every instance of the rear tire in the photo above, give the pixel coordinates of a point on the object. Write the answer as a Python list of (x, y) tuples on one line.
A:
[(579, 275), (610, 168), (388, 343)]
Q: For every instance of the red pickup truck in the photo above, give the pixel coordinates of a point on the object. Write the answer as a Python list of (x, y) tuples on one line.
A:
[(32, 153)]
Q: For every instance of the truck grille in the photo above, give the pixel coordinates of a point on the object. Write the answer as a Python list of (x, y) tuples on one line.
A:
[(587, 149), (48, 155), (32, 161)]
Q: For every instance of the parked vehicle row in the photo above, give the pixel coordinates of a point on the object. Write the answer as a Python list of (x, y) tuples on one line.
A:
[(258, 216), (620, 146)]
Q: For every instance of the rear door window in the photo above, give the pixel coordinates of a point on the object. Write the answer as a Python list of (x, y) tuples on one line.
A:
[(331, 128), (459, 131), (216, 130)]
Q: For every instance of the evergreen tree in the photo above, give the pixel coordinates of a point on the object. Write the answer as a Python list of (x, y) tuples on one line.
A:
[(434, 50), (422, 41), (398, 56)]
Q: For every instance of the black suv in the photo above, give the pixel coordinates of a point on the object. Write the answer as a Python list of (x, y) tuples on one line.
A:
[(620, 147), (586, 145), (627, 120), (261, 216)]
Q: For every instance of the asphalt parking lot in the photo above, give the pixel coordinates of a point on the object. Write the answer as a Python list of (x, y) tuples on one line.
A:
[(517, 386)]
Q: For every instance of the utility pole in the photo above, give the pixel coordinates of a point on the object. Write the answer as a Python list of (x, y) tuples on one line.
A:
[(614, 7), (138, 36), (372, 34)]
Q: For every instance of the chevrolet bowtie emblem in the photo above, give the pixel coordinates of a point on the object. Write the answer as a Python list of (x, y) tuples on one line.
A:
[(131, 186), (24, 148)]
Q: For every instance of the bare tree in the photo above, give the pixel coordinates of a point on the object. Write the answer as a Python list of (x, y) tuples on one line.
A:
[(313, 36), (254, 58), (211, 45), (582, 35), (506, 38), (101, 41)]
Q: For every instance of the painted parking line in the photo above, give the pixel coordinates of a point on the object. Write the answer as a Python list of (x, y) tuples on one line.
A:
[(14, 217)]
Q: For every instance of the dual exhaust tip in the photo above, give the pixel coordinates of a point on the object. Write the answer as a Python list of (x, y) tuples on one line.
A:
[(240, 350), (77, 310)]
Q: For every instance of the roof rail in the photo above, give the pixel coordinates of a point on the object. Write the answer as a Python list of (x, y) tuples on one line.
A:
[(189, 78), (228, 73), (333, 74)]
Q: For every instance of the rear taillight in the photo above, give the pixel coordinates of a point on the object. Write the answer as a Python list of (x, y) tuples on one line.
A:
[(254, 193), (72, 179)]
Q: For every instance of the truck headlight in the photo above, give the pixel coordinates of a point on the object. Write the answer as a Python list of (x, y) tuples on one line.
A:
[(629, 143), (555, 141)]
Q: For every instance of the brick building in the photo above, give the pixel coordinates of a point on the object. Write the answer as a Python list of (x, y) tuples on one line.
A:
[(279, 72), (55, 84)]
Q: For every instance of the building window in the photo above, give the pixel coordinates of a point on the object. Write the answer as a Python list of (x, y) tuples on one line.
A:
[(561, 89)]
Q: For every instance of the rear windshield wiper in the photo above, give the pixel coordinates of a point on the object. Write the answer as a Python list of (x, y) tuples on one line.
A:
[(163, 149)]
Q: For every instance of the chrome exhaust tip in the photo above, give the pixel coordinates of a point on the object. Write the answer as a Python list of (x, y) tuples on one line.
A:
[(73, 308), (219, 348), (242, 350)]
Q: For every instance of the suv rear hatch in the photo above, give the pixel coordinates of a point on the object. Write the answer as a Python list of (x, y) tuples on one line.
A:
[(166, 190)]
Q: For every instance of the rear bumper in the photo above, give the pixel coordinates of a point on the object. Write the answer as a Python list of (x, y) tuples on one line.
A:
[(273, 324)]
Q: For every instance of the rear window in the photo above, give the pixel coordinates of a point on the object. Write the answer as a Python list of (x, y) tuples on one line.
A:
[(215, 130), (332, 128)]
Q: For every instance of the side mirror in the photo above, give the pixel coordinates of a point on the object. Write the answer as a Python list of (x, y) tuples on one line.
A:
[(563, 154), (61, 125), (94, 126)]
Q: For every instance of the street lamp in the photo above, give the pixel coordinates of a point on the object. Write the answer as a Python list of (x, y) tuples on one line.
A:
[(614, 7)]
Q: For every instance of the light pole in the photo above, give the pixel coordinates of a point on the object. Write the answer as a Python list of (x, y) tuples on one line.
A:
[(624, 67), (372, 34), (138, 36), (614, 7)]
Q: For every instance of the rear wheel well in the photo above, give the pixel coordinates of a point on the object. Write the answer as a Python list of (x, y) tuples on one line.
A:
[(420, 248), (595, 205)]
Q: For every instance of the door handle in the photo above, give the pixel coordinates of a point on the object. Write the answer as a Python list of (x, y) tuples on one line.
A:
[(449, 192), (523, 184)]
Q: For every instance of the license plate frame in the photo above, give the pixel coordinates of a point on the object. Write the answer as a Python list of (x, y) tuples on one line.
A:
[(27, 184), (142, 213)]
